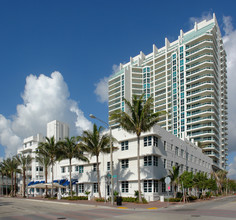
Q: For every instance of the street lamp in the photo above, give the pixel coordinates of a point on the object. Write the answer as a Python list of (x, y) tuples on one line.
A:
[(111, 159), (26, 176)]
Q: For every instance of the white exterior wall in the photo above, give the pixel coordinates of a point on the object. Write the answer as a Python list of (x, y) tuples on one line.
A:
[(89, 177), (57, 129), (29, 147)]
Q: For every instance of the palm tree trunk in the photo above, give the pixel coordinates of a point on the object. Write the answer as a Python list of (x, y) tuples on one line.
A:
[(6, 185), (173, 186), (23, 182), (15, 185), (52, 182), (70, 179), (138, 165), (46, 180), (2, 185), (98, 178), (12, 184)]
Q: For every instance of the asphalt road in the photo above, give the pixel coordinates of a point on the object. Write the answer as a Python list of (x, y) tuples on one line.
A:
[(11, 208)]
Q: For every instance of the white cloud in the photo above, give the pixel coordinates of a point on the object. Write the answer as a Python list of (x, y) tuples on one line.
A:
[(205, 16), (44, 99), (102, 90), (230, 46), (115, 68), (7, 137), (232, 169), (228, 27), (102, 86)]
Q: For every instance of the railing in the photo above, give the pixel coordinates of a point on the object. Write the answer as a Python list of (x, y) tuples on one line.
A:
[(198, 63), (194, 58)]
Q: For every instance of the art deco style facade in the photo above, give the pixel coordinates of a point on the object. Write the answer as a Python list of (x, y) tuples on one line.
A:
[(36, 171), (188, 79), (159, 152)]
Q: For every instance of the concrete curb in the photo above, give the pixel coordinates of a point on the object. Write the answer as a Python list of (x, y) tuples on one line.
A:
[(153, 208)]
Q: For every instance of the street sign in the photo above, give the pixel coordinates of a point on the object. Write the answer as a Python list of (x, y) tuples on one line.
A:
[(167, 180), (167, 187)]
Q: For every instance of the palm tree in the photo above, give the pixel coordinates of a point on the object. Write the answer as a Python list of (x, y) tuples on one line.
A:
[(200, 181), (49, 149), (24, 161), (2, 171), (174, 176), (45, 161), (16, 170), (6, 173), (11, 166), (220, 176), (140, 118), (70, 149), (94, 142)]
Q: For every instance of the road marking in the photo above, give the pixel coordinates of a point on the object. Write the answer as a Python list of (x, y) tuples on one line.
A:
[(153, 208), (122, 207)]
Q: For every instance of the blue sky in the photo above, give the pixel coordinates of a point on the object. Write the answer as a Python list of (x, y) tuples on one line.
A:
[(84, 41)]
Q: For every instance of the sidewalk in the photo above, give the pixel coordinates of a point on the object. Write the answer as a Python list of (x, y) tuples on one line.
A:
[(125, 205)]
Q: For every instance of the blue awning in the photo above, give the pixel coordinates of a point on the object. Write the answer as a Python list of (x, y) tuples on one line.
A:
[(30, 183), (62, 181), (67, 183), (74, 181), (42, 181), (55, 181), (35, 182)]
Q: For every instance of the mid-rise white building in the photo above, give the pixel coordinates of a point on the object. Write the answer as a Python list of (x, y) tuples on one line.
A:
[(188, 79), (35, 172), (159, 152), (57, 129)]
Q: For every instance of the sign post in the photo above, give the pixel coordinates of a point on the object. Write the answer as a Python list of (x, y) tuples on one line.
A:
[(167, 181)]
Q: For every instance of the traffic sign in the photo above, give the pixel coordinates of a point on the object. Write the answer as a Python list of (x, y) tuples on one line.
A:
[(167, 180), (168, 188)]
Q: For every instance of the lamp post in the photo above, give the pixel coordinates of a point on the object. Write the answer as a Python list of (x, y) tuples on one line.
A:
[(26, 177), (111, 156)]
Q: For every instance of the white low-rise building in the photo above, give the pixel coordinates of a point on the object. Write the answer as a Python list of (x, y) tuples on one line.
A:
[(159, 152)]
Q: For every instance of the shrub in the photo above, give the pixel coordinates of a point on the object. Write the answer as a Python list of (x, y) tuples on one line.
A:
[(208, 194), (179, 195), (76, 198), (87, 193), (115, 193), (174, 199), (129, 199), (133, 199), (191, 198), (144, 200), (99, 199)]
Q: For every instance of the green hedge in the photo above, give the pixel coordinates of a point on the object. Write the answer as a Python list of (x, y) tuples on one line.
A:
[(173, 199), (100, 200), (76, 198), (129, 199), (191, 198), (133, 199)]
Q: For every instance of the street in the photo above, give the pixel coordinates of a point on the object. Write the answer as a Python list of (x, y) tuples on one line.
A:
[(14, 208)]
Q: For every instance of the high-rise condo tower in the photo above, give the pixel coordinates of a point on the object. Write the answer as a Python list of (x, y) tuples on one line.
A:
[(187, 78)]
